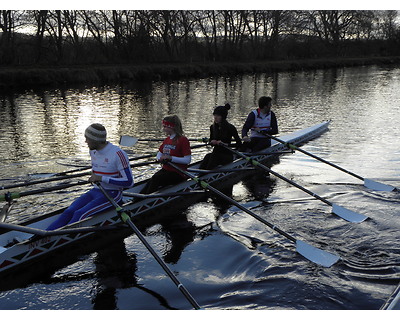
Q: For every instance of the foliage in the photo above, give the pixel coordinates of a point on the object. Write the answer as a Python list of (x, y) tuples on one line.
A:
[(81, 37)]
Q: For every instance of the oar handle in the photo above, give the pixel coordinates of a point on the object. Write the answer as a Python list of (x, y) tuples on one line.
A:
[(126, 219)]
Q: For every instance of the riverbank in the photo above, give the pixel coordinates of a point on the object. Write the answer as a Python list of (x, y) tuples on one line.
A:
[(27, 77)]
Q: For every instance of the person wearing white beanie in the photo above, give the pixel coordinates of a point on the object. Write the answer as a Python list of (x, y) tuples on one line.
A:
[(110, 167)]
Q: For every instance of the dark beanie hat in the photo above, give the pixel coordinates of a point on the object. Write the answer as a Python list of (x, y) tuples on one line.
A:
[(96, 132), (222, 110)]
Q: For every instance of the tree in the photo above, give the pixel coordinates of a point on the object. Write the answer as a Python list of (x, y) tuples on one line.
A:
[(40, 18)]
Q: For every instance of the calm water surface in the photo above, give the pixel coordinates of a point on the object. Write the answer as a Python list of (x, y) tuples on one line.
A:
[(226, 259)]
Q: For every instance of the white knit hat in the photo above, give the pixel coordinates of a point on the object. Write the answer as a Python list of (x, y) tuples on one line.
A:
[(96, 132)]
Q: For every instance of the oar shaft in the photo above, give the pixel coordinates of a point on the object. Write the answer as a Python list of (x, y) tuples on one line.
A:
[(163, 265), (293, 147), (160, 139), (45, 233), (31, 183), (66, 174), (272, 226), (125, 218), (311, 253), (205, 185), (292, 182), (15, 195), (260, 165), (59, 178)]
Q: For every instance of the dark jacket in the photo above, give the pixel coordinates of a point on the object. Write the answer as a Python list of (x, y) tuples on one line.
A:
[(224, 131)]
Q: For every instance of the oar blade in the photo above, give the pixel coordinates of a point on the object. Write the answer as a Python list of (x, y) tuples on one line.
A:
[(4, 212), (377, 186), (128, 141), (316, 255), (348, 215)]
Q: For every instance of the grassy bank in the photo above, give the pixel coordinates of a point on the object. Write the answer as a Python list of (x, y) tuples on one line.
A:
[(26, 77)]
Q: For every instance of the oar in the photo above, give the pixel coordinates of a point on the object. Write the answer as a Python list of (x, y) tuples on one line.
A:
[(343, 213), (267, 153), (217, 170), (368, 183), (15, 195), (124, 216), (76, 175), (129, 140), (30, 183), (162, 194), (308, 251), (67, 174), (45, 233), (4, 211)]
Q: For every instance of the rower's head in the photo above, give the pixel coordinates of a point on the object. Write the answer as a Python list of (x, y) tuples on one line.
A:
[(172, 125), (221, 113), (96, 136), (265, 103)]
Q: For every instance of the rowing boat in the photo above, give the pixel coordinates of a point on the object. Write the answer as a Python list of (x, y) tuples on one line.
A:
[(143, 211)]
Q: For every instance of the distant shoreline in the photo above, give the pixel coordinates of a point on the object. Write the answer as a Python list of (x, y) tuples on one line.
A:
[(34, 76)]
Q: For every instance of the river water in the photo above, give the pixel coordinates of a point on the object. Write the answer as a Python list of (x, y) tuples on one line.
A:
[(225, 258)]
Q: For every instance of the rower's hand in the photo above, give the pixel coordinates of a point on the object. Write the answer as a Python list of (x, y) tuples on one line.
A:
[(165, 158), (246, 139), (215, 142), (94, 178)]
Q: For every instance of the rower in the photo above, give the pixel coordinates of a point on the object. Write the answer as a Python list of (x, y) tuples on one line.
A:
[(175, 148), (110, 167), (221, 132), (259, 121)]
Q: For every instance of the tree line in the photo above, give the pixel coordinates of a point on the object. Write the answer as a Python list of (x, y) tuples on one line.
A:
[(70, 37)]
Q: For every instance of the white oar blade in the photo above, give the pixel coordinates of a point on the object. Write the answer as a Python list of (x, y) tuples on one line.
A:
[(316, 255), (347, 214), (128, 141), (4, 212), (377, 186)]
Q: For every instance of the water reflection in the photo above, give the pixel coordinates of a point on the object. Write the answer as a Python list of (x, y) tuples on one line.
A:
[(40, 125), (49, 124), (115, 269)]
